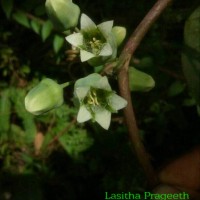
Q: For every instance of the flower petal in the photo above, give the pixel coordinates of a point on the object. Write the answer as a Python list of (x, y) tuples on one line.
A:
[(83, 114), (76, 39), (85, 55), (106, 50), (105, 28), (87, 23), (103, 84), (103, 118), (81, 92), (117, 102)]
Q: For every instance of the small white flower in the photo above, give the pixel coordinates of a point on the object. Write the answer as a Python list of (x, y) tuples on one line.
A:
[(97, 100), (94, 40)]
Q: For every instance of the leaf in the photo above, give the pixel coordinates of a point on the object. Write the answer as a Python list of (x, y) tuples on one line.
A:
[(176, 88), (29, 126), (76, 142), (35, 26), (140, 81), (7, 6), (46, 30), (191, 54), (58, 43), (21, 18), (5, 109)]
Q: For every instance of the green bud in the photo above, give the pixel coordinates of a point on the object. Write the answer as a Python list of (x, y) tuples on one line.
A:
[(140, 81), (120, 33), (64, 14), (44, 97)]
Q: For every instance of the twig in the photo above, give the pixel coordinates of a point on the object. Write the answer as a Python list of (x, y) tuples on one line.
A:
[(123, 82), (58, 135)]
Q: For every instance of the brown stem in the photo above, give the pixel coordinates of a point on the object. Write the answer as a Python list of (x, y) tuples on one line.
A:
[(123, 82)]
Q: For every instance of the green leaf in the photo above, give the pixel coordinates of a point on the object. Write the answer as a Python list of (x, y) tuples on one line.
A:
[(5, 110), (29, 126), (191, 54), (140, 81), (145, 62), (46, 30), (58, 42), (75, 142), (176, 88), (35, 26), (21, 18), (7, 6)]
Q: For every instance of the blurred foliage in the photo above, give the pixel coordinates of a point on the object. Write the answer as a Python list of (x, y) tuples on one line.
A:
[(53, 157)]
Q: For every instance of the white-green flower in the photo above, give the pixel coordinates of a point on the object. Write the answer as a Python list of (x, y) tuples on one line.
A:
[(93, 40), (44, 97), (97, 100)]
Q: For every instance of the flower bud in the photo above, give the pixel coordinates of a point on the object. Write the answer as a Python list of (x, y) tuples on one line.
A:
[(64, 14), (120, 33), (44, 97), (140, 81)]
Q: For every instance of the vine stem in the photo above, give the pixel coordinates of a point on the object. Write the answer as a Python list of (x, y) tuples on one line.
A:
[(123, 82)]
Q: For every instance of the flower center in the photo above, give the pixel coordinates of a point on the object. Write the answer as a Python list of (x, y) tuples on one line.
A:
[(94, 41), (96, 46), (92, 98)]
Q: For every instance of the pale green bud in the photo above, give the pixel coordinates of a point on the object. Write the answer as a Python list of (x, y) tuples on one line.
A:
[(119, 33), (140, 81), (44, 97), (64, 14)]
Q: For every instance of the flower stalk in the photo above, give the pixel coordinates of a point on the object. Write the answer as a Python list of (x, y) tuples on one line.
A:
[(123, 82)]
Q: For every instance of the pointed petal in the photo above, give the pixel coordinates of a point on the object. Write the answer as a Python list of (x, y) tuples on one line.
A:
[(75, 39), (105, 28), (103, 84), (88, 81), (85, 55), (103, 118), (87, 23), (117, 102), (83, 114), (81, 92), (106, 50)]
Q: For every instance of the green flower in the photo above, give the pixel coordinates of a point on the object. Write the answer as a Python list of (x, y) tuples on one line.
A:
[(94, 41), (97, 100), (44, 97), (64, 14)]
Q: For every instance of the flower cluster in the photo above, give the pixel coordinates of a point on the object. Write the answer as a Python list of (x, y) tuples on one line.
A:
[(97, 45)]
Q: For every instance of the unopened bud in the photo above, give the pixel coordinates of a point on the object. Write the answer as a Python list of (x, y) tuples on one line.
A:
[(120, 33), (44, 97), (64, 14)]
